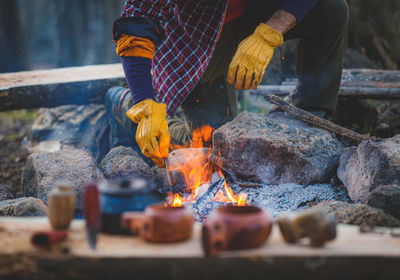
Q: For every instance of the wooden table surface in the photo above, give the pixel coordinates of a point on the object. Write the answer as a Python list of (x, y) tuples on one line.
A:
[(364, 251)]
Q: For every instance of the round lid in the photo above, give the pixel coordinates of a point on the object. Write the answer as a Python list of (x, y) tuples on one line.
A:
[(125, 186)]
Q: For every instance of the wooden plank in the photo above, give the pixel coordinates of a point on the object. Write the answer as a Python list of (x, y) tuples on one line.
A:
[(51, 88), (371, 256)]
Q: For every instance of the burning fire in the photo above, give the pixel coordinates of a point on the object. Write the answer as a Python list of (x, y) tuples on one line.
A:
[(197, 173)]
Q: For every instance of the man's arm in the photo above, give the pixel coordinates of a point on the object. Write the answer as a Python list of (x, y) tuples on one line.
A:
[(137, 33), (282, 21), (290, 13), (255, 52)]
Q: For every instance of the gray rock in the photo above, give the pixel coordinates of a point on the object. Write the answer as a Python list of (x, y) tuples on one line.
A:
[(358, 214), (24, 206), (292, 197), (83, 127), (7, 192), (43, 170), (371, 165), (161, 179), (276, 149), (123, 161), (386, 198)]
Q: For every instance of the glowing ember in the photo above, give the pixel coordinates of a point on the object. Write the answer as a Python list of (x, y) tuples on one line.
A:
[(197, 171)]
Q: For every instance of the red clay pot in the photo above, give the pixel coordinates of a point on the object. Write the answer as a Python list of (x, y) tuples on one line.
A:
[(234, 228), (160, 224)]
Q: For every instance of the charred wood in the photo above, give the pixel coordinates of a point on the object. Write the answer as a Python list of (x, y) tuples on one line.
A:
[(201, 205)]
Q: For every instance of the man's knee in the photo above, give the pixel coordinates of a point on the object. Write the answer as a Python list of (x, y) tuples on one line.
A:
[(114, 94), (336, 11)]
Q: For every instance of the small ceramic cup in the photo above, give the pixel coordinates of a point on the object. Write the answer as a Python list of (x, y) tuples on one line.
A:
[(235, 228), (159, 223)]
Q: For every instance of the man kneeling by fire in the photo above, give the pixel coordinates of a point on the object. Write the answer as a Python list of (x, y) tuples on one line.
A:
[(198, 53)]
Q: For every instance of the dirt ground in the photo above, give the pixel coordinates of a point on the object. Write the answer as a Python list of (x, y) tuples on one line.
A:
[(14, 128)]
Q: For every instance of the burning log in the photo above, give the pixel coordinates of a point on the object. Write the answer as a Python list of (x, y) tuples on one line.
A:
[(314, 120), (203, 202)]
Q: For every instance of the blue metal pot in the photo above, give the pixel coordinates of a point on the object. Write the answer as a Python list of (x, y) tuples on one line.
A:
[(127, 194)]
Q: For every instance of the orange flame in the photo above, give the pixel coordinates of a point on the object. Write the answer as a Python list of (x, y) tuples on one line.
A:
[(197, 171), (177, 202)]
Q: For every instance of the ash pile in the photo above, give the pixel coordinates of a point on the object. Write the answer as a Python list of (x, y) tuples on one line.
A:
[(272, 161)]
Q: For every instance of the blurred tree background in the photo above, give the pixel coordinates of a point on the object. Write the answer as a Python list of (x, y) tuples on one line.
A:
[(48, 34)]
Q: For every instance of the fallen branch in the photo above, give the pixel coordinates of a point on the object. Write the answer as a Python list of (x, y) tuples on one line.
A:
[(314, 120)]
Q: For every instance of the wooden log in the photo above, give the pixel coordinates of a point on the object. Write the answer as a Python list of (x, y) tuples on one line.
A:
[(315, 120), (89, 84), (352, 255), (51, 88), (360, 89)]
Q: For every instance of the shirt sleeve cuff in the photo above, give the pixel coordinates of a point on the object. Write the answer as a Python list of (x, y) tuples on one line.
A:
[(297, 8), (138, 75)]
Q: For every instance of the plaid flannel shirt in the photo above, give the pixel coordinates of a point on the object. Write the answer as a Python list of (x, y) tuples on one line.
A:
[(191, 30)]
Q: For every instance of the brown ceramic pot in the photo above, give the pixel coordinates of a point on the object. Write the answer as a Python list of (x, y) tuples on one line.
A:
[(160, 224), (235, 228)]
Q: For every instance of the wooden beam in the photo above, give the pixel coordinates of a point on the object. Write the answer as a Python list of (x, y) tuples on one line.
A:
[(51, 88), (351, 256)]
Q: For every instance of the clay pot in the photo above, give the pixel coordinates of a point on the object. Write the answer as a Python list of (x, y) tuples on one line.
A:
[(161, 224), (61, 202), (234, 228)]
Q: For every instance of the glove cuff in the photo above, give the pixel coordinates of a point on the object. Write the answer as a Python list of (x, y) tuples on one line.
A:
[(146, 108), (271, 36)]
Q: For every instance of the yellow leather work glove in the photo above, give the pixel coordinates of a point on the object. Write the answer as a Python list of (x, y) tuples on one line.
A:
[(253, 56), (152, 133)]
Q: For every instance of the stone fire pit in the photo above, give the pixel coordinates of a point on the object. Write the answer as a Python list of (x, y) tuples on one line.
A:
[(290, 165)]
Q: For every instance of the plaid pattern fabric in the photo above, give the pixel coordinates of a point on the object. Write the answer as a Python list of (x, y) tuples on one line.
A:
[(191, 30)]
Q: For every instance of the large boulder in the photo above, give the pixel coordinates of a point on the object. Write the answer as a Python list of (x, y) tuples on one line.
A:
[(124, 162), (84, 127), (358, 214), (276, 149), (386, 198), (43, 170), (24, 206), (372, 164)]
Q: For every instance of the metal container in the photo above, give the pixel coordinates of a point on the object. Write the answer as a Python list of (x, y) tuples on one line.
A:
[(127, 194)]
